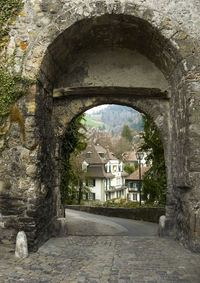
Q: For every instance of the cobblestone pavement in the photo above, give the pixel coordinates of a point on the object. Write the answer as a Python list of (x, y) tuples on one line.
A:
[(103, 259)]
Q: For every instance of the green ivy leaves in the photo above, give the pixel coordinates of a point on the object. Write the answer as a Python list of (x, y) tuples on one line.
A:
[(10, 88), (10, 91), (9, 9), (155, 180)]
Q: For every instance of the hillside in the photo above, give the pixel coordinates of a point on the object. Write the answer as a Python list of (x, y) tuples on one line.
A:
[(112, 119)]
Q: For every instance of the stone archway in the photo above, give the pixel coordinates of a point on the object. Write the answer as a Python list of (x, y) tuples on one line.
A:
[(70, 83), (103, 64)]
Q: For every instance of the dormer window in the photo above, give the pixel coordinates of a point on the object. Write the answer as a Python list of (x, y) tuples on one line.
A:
[(89, 154), (101, 154)]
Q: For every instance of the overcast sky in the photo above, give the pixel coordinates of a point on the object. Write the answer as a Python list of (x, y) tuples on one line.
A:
[(94, 109)]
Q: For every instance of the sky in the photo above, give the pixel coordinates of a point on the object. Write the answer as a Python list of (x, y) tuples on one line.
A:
[(94, 109)]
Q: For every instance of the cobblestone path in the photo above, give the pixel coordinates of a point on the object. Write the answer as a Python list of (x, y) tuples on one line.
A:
[(93, 259)]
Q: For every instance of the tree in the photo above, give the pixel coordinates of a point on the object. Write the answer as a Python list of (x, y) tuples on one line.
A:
[(126, 133), (121, 146), (155, 181), (102, 138), (130, 168), (77, 177), (74, 141)]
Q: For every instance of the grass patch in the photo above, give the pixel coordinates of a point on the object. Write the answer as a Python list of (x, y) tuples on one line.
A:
[(95, 122)]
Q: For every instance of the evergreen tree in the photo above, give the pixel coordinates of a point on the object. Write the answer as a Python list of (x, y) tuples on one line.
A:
[(74, 141), (154, 182), (126, 133)]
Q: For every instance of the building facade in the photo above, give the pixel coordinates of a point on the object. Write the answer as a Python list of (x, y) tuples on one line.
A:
[(133, 184), (105, 176), (130, 158)]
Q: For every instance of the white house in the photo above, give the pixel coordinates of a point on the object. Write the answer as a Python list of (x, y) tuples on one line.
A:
[(105, 176), (133, 184)]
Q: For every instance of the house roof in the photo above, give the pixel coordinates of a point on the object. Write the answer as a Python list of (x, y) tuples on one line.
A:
[(98, 171), (95, 157), (135, 175), (99, 157), (124, 174), (129, 156)]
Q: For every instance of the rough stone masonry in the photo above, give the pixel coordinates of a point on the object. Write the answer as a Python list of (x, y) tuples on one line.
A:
[(86, 53)]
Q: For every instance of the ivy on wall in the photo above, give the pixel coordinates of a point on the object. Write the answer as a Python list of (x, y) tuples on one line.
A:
[(9, 81), (74, 141), (9, 9), (12, 85), (155, 179)]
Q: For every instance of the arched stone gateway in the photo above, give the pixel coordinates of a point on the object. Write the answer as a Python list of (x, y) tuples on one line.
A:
[(92, 53)]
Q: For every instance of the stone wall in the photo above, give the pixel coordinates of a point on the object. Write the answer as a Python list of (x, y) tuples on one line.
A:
[(150, 214), (64, 42)]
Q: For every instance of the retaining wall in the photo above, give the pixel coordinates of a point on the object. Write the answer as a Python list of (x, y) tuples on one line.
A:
[(151, 214)]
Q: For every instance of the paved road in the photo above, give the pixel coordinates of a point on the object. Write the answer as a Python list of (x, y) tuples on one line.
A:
[(85, 224), (93, 259)]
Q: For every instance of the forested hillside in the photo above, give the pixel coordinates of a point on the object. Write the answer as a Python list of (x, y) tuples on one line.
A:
[(113, 118)]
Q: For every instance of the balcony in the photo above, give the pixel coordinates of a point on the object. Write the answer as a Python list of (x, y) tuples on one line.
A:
[(115, 189)]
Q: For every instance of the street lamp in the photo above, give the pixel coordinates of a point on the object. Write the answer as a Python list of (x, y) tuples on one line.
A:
[(139, 156)]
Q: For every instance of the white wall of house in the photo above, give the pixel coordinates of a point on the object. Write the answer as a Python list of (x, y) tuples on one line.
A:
[(98, 189), (134, 196)]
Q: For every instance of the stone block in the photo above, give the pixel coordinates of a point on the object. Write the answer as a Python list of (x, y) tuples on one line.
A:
[(31, 170), (161, 227), (21, 250), (59, 227)]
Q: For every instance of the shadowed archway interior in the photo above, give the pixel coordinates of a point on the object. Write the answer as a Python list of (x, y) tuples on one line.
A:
[(109, 59)]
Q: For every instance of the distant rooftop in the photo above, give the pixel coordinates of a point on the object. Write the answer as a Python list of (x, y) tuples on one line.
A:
[(129, 156), (135, 175)]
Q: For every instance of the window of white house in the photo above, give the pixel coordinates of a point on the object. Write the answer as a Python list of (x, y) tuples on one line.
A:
[(121, 167), (92, 196), (134, 196), (114, 169), (89, 154), (133, 185), (118, 181), (101, 154), (91, 182), (108, 168), (106, 184)]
